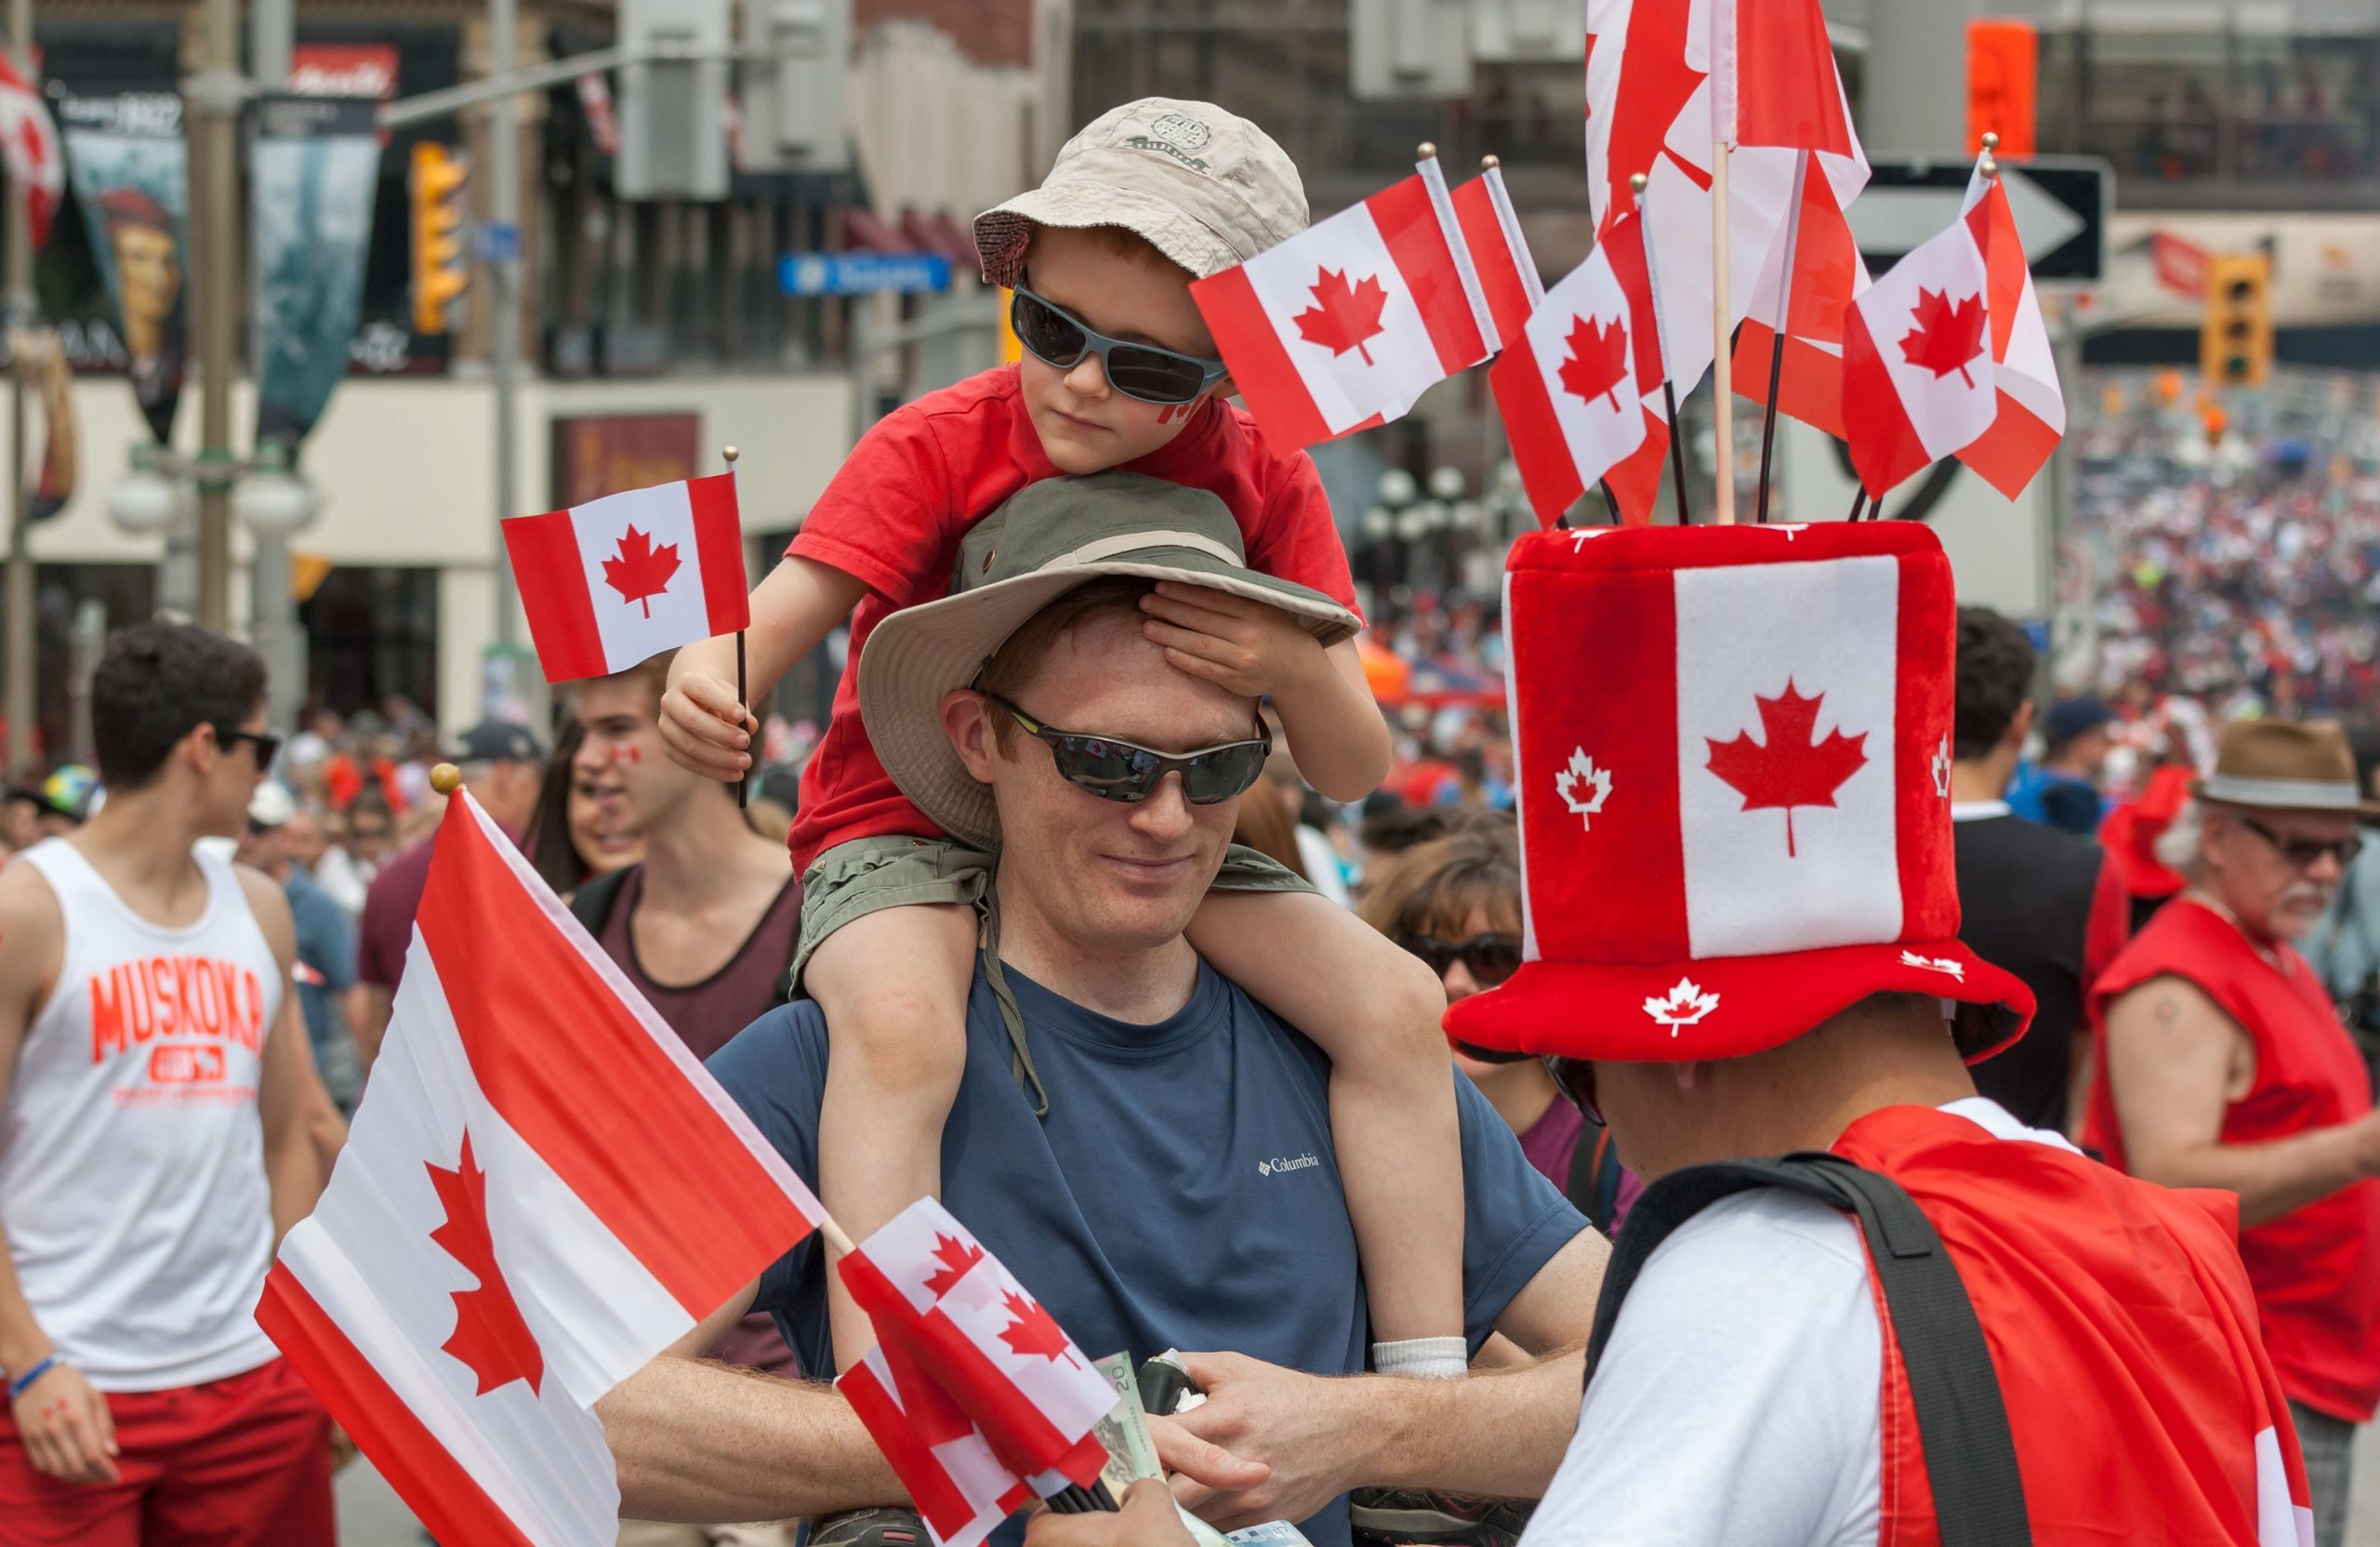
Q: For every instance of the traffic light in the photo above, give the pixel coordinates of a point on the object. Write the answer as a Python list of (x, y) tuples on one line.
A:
[(441, 260), (2236, 348)]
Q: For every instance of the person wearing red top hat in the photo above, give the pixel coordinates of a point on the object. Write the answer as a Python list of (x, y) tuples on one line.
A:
[(1733, 749), (2224, 1065)]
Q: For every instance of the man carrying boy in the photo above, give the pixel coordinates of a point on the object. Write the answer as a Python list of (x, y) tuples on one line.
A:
[(1119, 374)]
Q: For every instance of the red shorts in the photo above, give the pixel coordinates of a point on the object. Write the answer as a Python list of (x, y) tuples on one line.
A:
[(242, 1462)]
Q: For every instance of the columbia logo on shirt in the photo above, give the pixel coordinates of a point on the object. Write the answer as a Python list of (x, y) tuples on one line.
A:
[(1276, 1165)]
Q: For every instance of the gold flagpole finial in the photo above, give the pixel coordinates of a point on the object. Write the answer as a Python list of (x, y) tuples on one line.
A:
[(1637, 181), (1489, 164), (445, 778), (730, 453), (1427, 149), (1990, 141)]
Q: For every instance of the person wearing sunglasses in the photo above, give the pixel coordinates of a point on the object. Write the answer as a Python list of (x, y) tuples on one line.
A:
[(2224, 1065), (159, 1102)]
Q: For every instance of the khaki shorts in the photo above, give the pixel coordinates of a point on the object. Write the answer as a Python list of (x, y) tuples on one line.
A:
[(868, 875)]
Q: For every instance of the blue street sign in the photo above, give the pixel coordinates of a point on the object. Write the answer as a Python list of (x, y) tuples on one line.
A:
[(862, 273), (497, 242)]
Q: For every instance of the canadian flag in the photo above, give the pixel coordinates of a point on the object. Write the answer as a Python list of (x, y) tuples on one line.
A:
[(1918, 383), (542, 1190), (1654, 108), (1346, 324), (2030, 418), (1806, 286), (28, 143), (1491, 230), (934, 1292), (951, 1473), (620, 579), (1571, 384)]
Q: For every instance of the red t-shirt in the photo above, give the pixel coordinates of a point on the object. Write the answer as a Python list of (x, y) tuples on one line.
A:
[(895, 513)]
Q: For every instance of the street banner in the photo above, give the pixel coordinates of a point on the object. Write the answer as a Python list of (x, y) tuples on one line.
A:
[(313, 175), (2029, 417), (1568, 384), (1345, 325), (620, 579), (131, 173), (29, 145), (1918, 381), (542, 1190), (943, 1460), (934, 1293)]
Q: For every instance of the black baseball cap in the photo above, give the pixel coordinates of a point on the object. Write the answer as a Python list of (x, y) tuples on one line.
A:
[(496, 741)]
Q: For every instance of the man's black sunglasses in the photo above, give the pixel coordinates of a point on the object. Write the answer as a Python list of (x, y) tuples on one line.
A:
[(2303, 853), (267, 743), (1575, 1077), (1117, 770), (1058, 338), (1490, 958)]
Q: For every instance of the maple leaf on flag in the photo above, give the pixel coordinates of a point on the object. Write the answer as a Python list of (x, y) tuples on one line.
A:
[(640, 571), (956, 1258), (1035, 1331), (1947, 336), (1341, 318), (1793, 768), (1598, 361), (490, 1336)]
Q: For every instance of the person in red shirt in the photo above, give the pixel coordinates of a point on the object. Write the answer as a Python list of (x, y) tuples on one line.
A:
[(2224, 1066), (1148, 198)]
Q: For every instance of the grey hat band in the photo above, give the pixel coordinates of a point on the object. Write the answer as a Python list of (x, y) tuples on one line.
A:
[(1134, 542), (2280, 794)]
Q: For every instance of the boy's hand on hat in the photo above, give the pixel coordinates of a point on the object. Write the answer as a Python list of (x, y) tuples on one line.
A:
[(1251, 648), (707, 730)]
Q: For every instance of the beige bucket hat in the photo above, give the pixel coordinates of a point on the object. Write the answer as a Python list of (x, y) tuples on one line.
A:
[(1207, 188), (1047, 540)]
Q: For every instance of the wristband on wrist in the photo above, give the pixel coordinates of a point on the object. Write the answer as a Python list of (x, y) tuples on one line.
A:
[(19, 1387)]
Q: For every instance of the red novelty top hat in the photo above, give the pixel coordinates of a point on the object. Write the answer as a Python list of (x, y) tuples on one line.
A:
[(1732, 750)]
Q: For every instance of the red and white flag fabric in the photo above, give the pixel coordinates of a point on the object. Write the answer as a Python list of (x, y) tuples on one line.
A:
[(1812, 274), (1570, 385), (932, 1290), (1345, 325), (957, 1483), (28, 143), (542, 1190), (1917, 373), (2030, 416), (620, 579), (1499, 256)]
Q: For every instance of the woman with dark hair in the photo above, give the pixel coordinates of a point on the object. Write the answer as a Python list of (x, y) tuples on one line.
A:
[(572, 839), (1455, 902)]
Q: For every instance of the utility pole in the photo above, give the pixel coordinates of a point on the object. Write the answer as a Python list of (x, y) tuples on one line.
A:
[(503, 268), (273, 605), (215, 95), (18, 305)]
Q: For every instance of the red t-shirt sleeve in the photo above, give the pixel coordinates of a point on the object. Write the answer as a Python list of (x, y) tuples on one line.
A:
[(1297, 540), (2104, 933), (879, 518)]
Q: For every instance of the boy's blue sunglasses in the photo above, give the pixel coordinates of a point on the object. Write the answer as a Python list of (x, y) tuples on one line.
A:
[(1142, 371)]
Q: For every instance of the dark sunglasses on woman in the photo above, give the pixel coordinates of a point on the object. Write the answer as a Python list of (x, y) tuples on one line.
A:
[(1117, 770), (1490, 958), (1144, 372)]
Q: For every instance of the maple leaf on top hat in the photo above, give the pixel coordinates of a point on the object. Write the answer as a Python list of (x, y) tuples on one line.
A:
[(1598, 361), (956, 1258), (640, 571), (1343, 318), (1582, 774), (1035, 1331), (1947, 336), (1793, 768), (1684, 1005), (490, 1335)]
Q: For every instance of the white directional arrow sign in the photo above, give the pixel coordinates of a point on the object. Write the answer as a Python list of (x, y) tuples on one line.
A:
[(2060, 207)]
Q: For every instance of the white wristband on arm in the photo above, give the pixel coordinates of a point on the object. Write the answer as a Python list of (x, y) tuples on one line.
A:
[(1425, 1358)]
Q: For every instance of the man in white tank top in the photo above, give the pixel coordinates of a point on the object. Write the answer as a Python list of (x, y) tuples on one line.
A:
[(154, 1088)]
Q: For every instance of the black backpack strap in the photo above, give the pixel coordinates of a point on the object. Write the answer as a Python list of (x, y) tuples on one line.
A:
[(591, 904), (1962, 1422), (1594, 1185)]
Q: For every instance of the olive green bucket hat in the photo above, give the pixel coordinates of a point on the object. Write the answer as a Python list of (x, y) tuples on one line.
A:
[(1047, 540)]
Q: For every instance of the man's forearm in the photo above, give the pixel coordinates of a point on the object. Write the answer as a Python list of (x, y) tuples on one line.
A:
[(1500, 1433), (2271, 1178), (700, 1443)]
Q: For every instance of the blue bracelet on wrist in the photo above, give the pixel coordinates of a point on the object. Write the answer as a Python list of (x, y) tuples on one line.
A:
[(18, 1387)]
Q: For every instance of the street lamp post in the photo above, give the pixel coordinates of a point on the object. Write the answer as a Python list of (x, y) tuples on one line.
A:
[(18, 305), (215, 95)]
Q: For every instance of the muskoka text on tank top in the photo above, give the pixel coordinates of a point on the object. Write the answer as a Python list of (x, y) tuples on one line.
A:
[(132, 1183)]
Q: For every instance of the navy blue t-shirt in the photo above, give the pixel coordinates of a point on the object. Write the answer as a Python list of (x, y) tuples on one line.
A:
[(1181, 1193)]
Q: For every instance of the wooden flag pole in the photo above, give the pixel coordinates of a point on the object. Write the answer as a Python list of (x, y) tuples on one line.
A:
[(1660, 333), (1784, 316), (1723, 387), (744, 785)]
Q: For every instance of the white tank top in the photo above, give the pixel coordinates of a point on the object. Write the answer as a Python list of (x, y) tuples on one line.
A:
[(132, 1183)]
